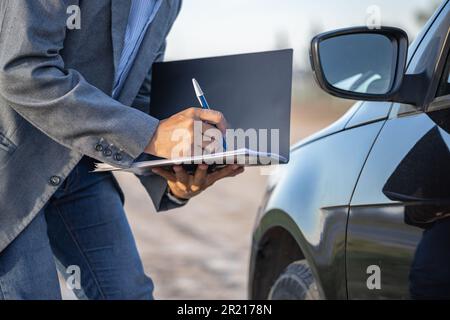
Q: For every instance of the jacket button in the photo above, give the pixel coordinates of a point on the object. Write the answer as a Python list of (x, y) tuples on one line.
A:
[(55, 181), (99, 147), (118, 157), (107, 152)]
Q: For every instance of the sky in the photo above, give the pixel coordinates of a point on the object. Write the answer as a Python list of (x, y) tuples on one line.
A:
[(220, 27)]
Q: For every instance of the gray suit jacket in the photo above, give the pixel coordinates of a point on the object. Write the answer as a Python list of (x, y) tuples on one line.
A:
[(55, 99)]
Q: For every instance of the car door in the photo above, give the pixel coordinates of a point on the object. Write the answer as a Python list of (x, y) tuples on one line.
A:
[(406, 173)]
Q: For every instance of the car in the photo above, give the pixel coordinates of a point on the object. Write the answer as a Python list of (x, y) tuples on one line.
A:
[(344, 219)]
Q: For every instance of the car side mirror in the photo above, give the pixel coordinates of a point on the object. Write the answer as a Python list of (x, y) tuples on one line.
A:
[(362, 64)]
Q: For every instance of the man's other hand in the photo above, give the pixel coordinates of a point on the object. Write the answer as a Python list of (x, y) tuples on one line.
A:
[(166, 139), (185, 186)]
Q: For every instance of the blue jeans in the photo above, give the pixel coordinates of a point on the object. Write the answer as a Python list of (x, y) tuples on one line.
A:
[(83, 227)]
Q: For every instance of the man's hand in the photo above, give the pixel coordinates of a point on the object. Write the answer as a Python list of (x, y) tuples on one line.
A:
[(163, 144), (185, 186)]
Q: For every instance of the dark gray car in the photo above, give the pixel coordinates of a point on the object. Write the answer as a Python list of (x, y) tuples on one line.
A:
[(343, 220)]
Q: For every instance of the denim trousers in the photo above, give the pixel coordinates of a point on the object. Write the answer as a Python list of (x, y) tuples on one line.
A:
[(83, 231)]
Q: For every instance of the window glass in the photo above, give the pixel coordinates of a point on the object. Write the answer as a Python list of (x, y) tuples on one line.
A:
[(444, 88)]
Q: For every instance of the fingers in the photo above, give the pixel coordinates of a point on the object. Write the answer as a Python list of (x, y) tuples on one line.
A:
[(208, 127), (212, 147), (182, 177), (214, 117), (200, 178), (210, 142), (208, 139), (228, 171), (165, 174), (211, 116)]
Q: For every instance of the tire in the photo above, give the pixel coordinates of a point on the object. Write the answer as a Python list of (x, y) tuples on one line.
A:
[(295, 283)]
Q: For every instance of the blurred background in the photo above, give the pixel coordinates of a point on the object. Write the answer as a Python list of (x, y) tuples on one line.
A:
[(201, 251)]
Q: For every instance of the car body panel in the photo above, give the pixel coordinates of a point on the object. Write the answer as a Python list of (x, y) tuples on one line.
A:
[(313, 194), (370, 112), (377, 232), (402, 162), (409, 160)]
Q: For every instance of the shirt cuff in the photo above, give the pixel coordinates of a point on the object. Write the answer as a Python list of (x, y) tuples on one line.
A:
[(174, 199)]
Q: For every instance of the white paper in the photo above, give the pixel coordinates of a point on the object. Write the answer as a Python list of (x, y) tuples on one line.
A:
[(244, 157)]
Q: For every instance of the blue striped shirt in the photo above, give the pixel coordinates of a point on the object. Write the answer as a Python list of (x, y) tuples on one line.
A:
[(142, 13)]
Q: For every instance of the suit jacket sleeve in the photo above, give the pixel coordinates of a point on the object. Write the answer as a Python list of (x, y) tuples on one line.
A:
[(35, 82)]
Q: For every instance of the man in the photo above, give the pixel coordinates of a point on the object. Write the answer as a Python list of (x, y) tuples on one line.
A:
[(69, 97)]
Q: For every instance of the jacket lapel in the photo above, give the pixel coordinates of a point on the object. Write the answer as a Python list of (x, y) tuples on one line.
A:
[(120, 10)]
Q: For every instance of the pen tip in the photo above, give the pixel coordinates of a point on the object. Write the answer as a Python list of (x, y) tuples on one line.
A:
[(198, 90)]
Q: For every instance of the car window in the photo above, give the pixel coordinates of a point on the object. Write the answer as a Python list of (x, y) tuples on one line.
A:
[(444, 88)]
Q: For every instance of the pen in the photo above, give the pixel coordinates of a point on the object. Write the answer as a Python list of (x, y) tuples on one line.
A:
[(202, 99)]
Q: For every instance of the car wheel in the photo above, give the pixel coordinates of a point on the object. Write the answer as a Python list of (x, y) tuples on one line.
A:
[(295, 283)]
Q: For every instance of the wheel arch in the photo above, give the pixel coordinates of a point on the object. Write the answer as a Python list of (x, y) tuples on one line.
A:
[(277, 242)]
